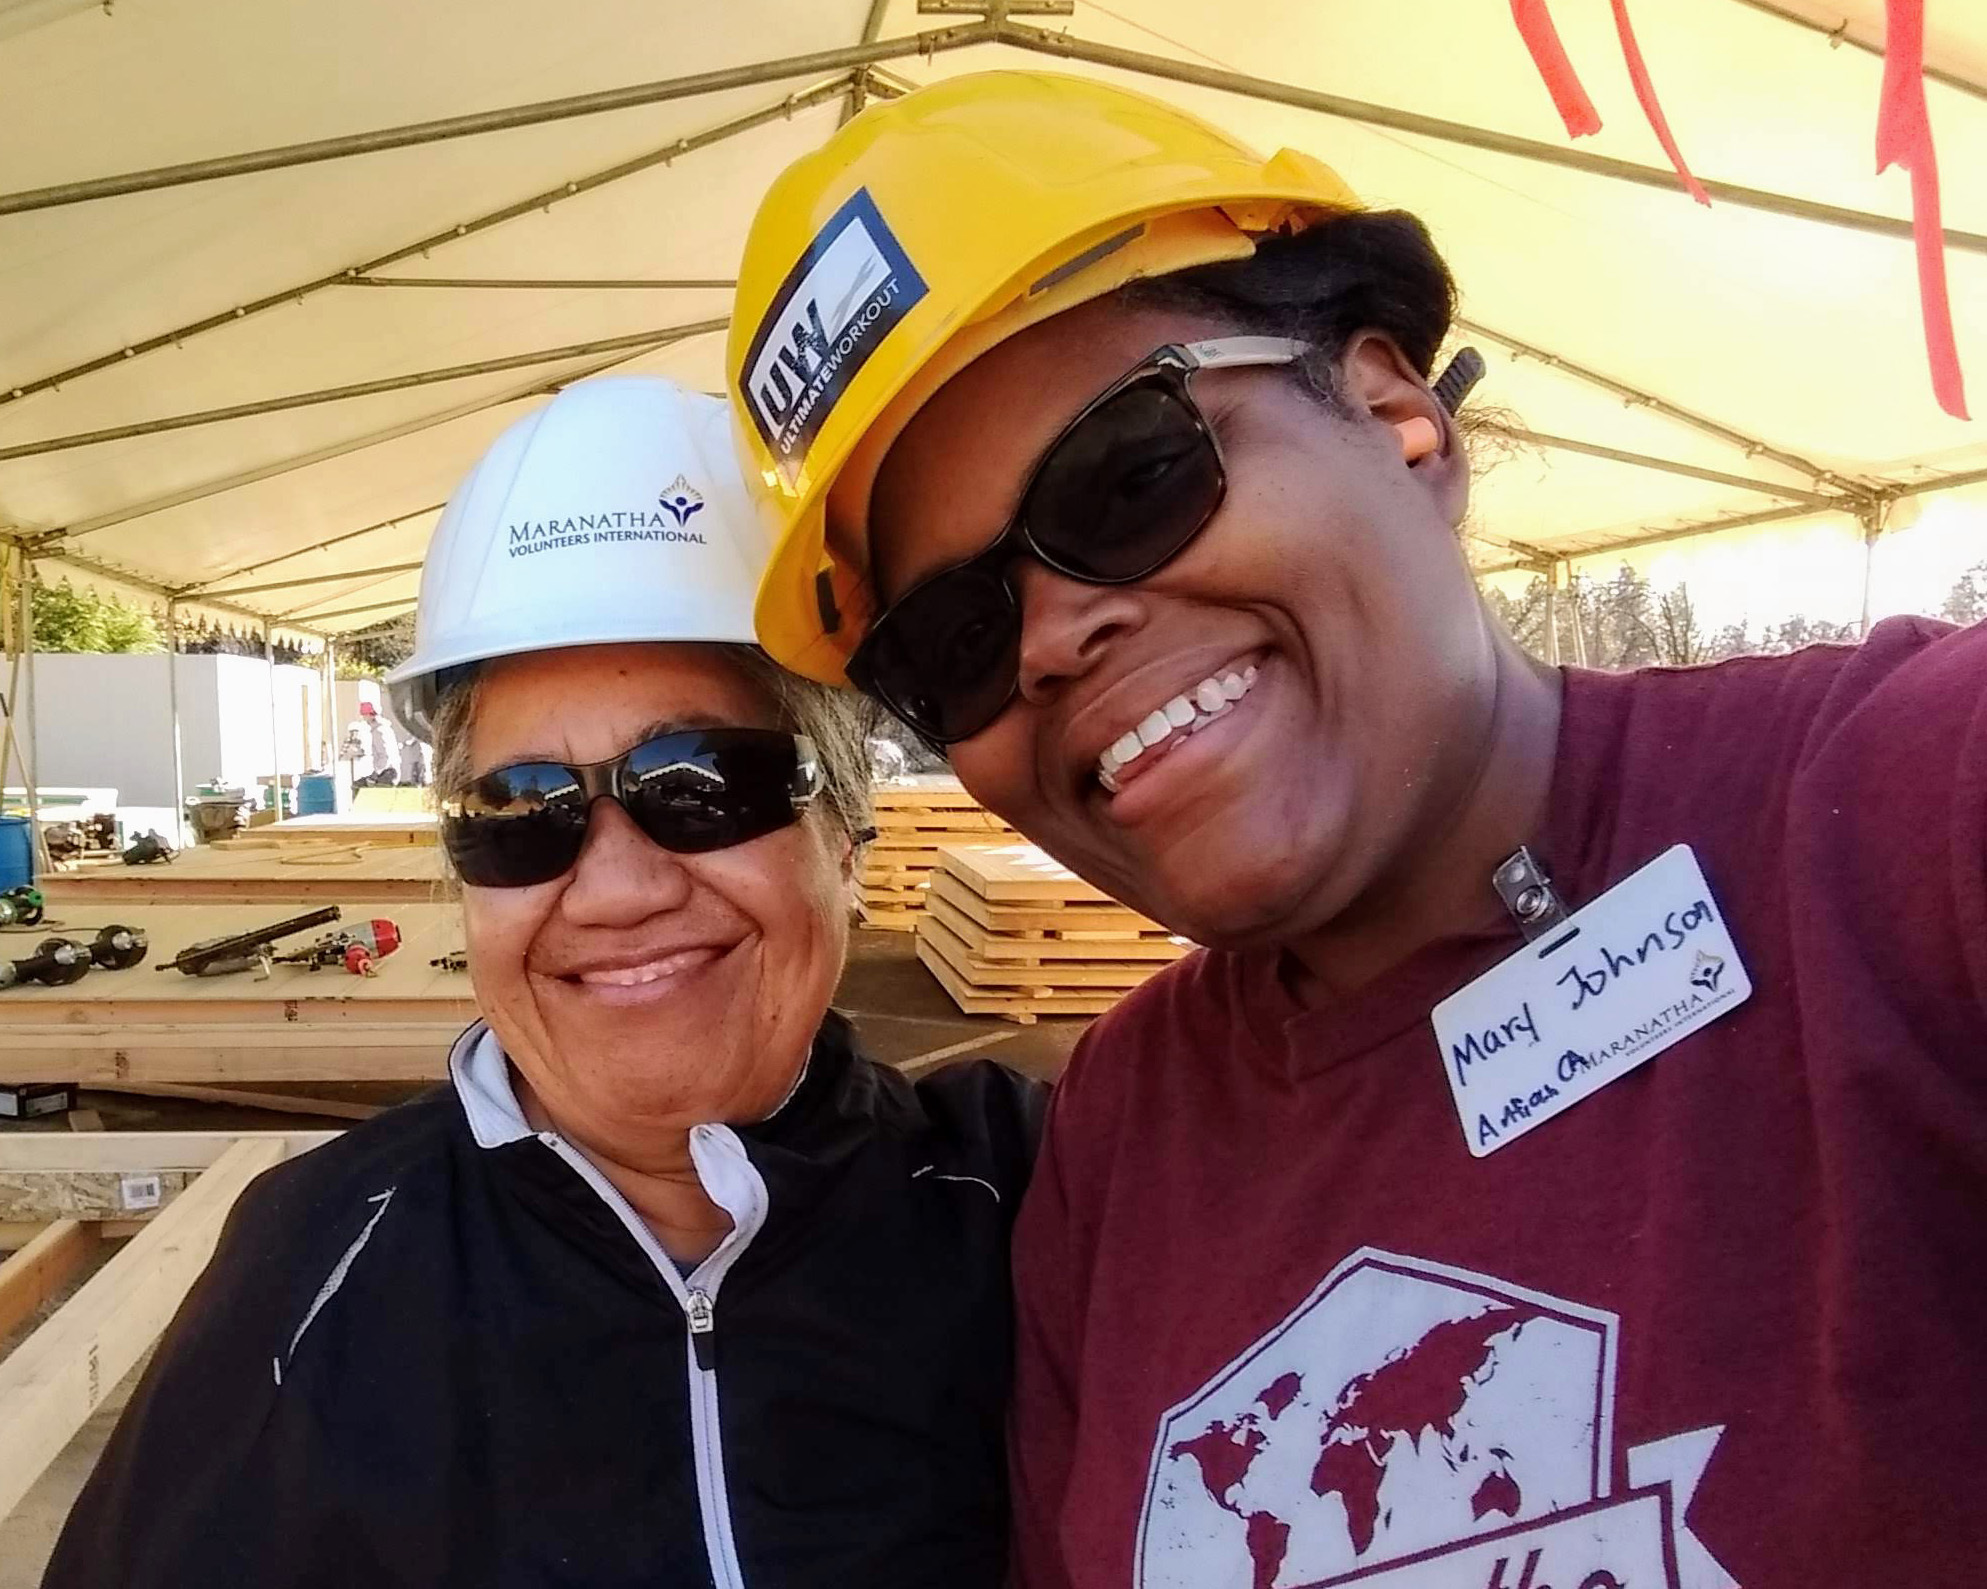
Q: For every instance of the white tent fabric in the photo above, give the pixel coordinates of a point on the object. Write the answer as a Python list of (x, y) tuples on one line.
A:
[(1773, 361)]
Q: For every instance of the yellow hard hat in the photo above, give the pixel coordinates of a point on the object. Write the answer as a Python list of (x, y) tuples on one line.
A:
[(925, 231)]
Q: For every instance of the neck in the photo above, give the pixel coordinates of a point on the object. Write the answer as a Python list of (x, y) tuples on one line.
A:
[(1441, 883), (660, 1181)]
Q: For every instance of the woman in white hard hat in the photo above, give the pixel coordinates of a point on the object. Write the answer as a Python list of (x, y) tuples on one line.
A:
[(670, 1285), (1380, 1242)]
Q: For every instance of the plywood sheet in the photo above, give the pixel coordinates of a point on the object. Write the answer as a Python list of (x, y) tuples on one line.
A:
[(248, 872)]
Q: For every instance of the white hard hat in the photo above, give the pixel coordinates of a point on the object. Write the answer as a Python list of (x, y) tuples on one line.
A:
[(614, 513)]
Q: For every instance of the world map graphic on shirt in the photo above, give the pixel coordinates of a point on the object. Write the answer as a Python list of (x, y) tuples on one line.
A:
[(1416, 1394), (1414, 1425)]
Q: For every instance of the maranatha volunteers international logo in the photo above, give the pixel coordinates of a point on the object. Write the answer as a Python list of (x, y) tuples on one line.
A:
[(1415, 1426), (681, 499), (835, 307), (666, 522)]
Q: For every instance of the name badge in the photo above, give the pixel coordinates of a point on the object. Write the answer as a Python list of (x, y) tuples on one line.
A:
[(1622, 979)]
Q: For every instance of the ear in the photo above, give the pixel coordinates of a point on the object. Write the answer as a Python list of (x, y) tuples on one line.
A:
[(1381, 385)]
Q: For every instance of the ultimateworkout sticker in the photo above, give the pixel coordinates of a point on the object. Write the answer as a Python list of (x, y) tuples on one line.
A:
[(836, 306)]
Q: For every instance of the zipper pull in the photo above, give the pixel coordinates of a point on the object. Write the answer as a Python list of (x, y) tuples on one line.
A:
[(702, 1314)]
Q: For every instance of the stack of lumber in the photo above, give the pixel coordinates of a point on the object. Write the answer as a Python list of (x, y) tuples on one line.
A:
[(1007, 931), (147, 1025), (914, 816), (354, 827), (248, 870)]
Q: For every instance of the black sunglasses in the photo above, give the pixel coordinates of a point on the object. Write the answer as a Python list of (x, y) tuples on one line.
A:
[(1122, 490), (689, 791)]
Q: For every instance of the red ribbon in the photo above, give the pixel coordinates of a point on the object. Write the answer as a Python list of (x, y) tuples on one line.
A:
[(1549, 56), (1645, 91), (1904, 137)]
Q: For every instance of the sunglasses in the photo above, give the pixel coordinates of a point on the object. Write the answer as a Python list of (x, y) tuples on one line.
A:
[(689, 791), (1122, 490)]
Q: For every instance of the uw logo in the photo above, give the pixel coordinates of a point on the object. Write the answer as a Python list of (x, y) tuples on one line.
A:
[(681, 499)]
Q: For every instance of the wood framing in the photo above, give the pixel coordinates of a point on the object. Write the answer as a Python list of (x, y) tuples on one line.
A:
[(55, 1380), (42, 1268)]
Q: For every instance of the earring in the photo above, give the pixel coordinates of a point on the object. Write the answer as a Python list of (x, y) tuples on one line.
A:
[(1419, 438)]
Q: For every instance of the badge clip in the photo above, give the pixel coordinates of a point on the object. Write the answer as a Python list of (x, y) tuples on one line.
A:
[(1528, 894)]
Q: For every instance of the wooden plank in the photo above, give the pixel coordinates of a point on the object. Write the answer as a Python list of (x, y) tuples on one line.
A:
[(85, 1194), (54, 1380), (986, 945), (42, 1268), (1098, 923), (978, 1001), (274, 1102), (1017, 872), (1056, 977), (16, 1234), (345, 874), (227, 1052), (930, 790), (138, 1152), (886, 919), (347, 828)]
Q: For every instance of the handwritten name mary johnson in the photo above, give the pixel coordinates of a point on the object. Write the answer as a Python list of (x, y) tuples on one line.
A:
[(1584, 983)]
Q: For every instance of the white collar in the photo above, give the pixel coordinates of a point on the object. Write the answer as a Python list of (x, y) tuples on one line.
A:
[(482, 1078)]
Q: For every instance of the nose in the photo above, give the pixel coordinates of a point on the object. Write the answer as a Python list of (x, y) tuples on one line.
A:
[(623, 877), (1067, 626)]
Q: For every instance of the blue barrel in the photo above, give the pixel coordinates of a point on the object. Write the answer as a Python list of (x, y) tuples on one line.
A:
[(16, 853), (317, 794)]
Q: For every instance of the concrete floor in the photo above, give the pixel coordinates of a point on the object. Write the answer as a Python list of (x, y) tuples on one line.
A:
[(902, 1013)]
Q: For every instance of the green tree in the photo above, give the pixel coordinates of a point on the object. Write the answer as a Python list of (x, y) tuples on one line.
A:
[(68, 619), (1967, 602)]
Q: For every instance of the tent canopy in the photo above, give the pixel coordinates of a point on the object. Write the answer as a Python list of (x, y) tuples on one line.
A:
[(247, 384)]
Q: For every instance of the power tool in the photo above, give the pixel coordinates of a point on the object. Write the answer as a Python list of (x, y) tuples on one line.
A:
[(22, 906), (57, 962), (243, 951), (356, 950)]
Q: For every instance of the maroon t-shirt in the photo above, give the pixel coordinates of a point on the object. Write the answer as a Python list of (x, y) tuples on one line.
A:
[(1723, 1321)]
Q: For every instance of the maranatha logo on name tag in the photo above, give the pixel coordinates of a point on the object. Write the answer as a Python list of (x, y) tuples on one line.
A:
[(841, 300), (1624, 978)]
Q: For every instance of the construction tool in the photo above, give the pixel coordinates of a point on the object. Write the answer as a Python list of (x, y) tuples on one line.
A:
[(22, 906), (243, 951), (356, 950), (147, 848), (72, 840), (57, 962)]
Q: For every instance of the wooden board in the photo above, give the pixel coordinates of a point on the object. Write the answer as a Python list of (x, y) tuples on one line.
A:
[(249, 871), (1039, 948), (347, 828), (42, 1268), (924, 791), (1060, 976), (411, 800), (1087, 923), (51, 1384), (889, 918), (1017, 873), (1023, 1008)]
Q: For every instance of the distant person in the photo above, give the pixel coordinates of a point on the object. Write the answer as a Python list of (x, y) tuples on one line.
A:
[(1413, 1234), (382, 748)]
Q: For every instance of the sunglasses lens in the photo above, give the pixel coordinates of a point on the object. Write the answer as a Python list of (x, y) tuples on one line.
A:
[(1127, 487), (710, 788), (945, 658), (516, 826)]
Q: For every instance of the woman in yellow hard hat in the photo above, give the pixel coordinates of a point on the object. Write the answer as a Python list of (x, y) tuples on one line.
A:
[(1566, 1165)]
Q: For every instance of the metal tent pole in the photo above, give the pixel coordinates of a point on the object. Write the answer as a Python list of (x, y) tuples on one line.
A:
[(275, 738), (1552, 615), (25, 744), (172, 706), (329, 703)]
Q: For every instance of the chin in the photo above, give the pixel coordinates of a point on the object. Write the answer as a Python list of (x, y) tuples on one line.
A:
[(1227, 901)]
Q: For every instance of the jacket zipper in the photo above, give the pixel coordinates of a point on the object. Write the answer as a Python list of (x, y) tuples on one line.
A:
[(735, 1185)]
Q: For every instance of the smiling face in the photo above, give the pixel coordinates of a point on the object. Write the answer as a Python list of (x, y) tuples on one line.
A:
[(645, 991), (1308, 686)]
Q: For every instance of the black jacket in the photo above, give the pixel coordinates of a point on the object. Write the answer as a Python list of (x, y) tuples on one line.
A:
[(436, 1352)]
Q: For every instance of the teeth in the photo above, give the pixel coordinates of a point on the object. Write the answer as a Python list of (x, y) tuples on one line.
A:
[(1207, 700)]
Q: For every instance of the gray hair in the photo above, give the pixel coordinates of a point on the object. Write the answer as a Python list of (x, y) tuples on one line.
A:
[(838, 721)]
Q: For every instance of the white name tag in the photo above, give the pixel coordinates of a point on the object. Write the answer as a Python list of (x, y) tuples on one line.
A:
[(1622, 979)]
